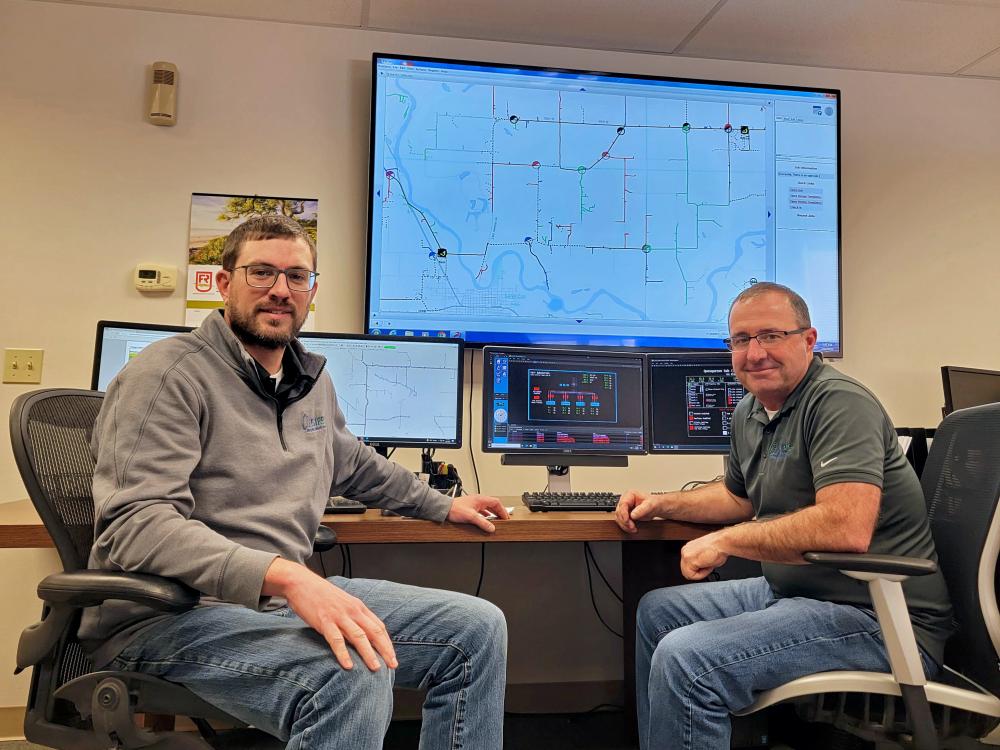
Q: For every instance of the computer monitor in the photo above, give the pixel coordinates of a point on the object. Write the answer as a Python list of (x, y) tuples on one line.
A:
[(396, 391), (528, 206), (557, 402), (691, 401), (117, 342), (966, 386)]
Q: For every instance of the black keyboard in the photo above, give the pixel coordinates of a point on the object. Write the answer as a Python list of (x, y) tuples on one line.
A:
[(344, 505), (544, 501)]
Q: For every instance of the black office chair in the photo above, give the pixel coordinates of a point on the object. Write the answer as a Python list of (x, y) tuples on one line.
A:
[(916, 450), (961, 483), (69, 704)]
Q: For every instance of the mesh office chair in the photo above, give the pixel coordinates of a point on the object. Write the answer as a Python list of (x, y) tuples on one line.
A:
[(69, 704), (961, 483)]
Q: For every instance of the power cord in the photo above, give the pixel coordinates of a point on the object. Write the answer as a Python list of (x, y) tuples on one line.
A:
[(482, 567), (593, 600), (694, 484), (482, 562), (472, 453), (590, 553)]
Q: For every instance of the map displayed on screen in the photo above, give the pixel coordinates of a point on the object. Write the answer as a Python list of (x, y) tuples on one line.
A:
[(394, 391), (548, 206)]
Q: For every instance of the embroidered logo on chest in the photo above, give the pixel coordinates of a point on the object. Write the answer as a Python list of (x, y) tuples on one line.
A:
[(313, 424), (780, 451)]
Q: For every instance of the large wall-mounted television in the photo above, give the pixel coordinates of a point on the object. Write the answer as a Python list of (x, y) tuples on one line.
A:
[(520, 205)]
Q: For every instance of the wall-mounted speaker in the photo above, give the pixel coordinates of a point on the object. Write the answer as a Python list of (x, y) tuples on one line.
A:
[(162, 94)]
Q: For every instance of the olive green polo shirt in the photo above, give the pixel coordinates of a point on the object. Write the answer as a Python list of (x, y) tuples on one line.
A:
[(832, 429)]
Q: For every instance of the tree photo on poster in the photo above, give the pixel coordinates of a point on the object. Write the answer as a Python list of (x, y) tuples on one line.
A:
[(213, 217)]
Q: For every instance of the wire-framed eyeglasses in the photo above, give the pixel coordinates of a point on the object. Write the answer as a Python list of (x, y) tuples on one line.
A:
[(766, 339), (264, 277)]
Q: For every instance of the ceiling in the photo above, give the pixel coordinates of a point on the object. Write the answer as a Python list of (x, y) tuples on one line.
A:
[(958, 38)]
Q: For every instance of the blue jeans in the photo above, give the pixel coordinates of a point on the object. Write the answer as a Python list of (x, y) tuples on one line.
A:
[(273, 671), (704, 650)]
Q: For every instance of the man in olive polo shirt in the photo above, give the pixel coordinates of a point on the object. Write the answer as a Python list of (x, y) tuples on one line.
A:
[(814, 466)]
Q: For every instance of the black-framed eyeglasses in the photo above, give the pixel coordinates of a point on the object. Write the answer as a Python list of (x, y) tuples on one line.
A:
[(264, 277), (766, 339)]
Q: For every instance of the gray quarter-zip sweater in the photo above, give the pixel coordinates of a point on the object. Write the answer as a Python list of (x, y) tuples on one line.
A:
[(204, 477)]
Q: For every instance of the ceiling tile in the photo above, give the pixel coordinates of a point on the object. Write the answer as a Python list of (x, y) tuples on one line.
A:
[(651, 25), (318, 12), (986, 3), (890, 35), (989, 66)]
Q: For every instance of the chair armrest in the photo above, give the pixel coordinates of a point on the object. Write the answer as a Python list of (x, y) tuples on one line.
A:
[(87, 588), (325, 539), (66, 593), (866, 563), (884, 575)]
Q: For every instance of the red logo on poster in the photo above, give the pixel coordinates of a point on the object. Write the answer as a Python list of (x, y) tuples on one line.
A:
[(203, 281)]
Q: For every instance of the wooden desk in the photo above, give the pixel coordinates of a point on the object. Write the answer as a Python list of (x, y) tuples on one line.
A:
[(523, 526), (650, 558), (20, 527)]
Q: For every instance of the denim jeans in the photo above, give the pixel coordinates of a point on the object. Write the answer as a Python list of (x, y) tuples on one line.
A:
[(704, 650), (273, 671)]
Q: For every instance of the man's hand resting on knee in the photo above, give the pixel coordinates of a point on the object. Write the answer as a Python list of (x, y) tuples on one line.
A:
[(336, 615), (701, 556)]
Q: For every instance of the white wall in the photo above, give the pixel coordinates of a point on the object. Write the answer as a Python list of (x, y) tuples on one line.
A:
[(88, 188)]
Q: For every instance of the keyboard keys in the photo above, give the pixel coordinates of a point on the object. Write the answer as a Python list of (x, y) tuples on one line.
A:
[(546, 501), (344, 505)]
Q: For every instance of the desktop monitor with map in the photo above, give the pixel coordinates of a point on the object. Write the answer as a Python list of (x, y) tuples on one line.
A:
[(393, 391), (691, 401), (519, 205), (396, 391), (118, 342)]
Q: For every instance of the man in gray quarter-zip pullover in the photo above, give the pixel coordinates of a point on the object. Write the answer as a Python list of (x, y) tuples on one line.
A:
[(814, 466), (216, 453)]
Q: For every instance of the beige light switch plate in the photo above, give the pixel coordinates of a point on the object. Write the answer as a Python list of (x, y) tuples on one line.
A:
[(22, 365)]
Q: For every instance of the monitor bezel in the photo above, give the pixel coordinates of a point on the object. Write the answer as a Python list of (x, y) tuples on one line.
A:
[(99, 343), (487, 399), (650, 356), (836, 92), (946, 370), (386, 443)]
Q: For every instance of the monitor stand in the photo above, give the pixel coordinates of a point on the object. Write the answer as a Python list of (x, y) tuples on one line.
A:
[(558, 465)]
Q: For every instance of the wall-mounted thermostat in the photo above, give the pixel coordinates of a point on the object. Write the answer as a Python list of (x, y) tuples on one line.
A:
[(150, 277)]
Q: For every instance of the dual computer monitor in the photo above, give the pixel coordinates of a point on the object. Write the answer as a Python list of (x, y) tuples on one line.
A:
[(406, 391), (393, 390), (607, 403)]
